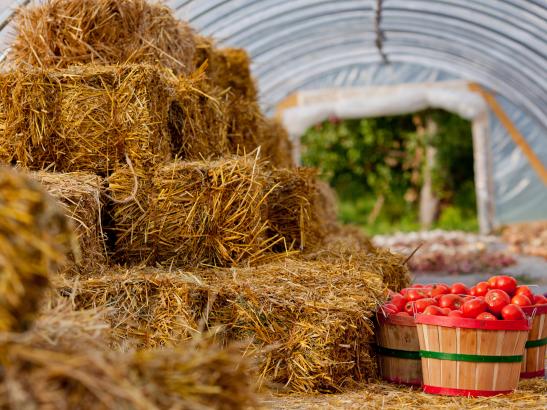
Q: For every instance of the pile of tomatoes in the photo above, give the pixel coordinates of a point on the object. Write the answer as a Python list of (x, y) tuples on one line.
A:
[(500, 298)]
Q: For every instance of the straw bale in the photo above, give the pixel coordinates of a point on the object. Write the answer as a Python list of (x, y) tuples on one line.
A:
[(310, 320), (90, 118), (67, 374), (34, 235), (62, 33), (229, 69), (79, 195), (276, 146), (294, 212), (199, 127), (307, 322), (149, 307), (191, 213), (530, 394)]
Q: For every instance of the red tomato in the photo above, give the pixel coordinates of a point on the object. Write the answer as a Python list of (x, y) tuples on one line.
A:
[(453, 302), (455, 313), (415, 294), (446, 311), (473, 291), (507, 283), (421, 304), (482, 288), (524, 290), (418, 285), (433, 310), (403, 291), (512, 312), (389, 309), (439, 289), (468, 297), (399, 301), (438, 298), (486, 316), (402, 314), (521, 300), (492, 281), (410, 308), (459, 288), (472, 308), (496, 299), (540, 300)]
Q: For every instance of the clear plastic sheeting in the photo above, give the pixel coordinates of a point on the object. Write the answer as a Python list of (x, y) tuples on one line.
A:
[(520, 195)]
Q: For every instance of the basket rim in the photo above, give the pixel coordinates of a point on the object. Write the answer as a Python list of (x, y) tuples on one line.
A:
[(447, 321), (538, 309)]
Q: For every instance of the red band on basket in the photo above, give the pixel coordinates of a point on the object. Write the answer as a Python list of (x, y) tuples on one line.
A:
[(396, 320), (530, 375), (397, 380), (539, 309), (463, 392), (448, 321)]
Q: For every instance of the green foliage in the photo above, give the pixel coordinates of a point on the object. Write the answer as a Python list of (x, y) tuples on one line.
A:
[(369, 158)]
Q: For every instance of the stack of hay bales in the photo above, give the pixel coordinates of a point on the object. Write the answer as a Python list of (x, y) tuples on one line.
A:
[(163, 158)]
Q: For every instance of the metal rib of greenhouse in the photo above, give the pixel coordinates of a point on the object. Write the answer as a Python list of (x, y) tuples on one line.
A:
[(498, 43)]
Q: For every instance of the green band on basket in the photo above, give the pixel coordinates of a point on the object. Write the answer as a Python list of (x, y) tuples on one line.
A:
[(536, 343), (402, 354), (470, 357)]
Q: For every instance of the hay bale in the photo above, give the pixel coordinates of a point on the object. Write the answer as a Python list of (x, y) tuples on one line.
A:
[(33, 237), (192, 213), (93, 118), (79, 195), (294, 212), (307, 322), (228, 69), (276, 146), (310, 321), (87, 118), (198, 121), (149, 307), (348, 243), (62, 33), (66, 368)]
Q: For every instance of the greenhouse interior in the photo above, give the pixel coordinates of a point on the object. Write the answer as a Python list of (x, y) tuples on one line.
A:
[(268, 204)]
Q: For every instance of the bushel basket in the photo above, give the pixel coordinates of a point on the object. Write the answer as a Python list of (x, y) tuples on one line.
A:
[(470, 357), (399, 350)]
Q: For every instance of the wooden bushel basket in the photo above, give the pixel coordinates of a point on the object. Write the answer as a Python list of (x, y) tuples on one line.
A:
[(470, 357), (533, 362), (399, 350)]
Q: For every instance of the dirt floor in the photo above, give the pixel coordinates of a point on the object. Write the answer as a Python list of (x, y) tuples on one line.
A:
[(531, 394)]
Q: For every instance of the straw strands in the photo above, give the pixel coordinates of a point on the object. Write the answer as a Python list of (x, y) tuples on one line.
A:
[(88, 118), (62, 33), (293, 210), (310, 321), (148, 307), (530, 394), (79, 195), (34, 234), (275, 144), (307, 322), (60, 364), (192, 213)]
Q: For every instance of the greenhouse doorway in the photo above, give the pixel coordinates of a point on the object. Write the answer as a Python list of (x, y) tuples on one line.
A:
[(428, 144)]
